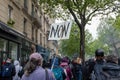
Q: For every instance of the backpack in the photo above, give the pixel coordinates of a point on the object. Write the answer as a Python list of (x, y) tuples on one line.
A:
[(68, 72), (58, 73), (7, 71), (109, 77), (96, 73)]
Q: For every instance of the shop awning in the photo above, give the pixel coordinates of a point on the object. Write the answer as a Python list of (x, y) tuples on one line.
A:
[(7, 29)]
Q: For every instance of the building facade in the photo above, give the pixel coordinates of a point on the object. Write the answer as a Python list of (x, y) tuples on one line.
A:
[(23, 29)]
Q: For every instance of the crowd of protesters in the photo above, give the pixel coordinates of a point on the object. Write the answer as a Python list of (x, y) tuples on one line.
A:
[(62, 68)]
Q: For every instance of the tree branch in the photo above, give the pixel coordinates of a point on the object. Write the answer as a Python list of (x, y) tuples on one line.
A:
[(73, 14), (88, 17)]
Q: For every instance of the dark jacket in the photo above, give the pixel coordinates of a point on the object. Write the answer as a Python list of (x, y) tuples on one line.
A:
[(13, 71), (112, 69), (89, 67), (77, 71)]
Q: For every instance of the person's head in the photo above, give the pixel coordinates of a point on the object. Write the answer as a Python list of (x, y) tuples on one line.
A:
[(35, 60), (99, 54), (8, 60), (112, 58), (79, 60)]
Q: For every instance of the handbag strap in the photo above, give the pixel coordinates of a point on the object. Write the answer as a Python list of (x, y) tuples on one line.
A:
[(46, 74)]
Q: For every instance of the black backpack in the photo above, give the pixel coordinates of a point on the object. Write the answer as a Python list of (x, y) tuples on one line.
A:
[(96, 73)]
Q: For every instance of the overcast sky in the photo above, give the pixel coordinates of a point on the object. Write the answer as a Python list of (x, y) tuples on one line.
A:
[(93, 27)]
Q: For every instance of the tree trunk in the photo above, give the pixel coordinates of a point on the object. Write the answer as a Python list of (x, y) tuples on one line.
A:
[(82, 43)]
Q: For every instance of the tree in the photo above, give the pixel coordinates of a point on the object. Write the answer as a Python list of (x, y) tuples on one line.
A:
[(82, 12), (108, 34), (93, 46), (71, 46), (117, 22)]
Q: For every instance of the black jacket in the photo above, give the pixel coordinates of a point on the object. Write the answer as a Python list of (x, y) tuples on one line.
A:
[(112, 69)]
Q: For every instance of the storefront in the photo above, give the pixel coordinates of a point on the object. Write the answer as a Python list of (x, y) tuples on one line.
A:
[(13, 44), (25, 50), (10, 42), (8, 49)]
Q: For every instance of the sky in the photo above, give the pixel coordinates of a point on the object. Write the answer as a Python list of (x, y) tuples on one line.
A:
[(92, 27)]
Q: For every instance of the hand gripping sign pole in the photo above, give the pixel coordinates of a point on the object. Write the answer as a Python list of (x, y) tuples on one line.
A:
[(59, 31)]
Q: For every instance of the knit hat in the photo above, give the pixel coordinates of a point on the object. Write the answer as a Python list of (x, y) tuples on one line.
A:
[(37, 56)]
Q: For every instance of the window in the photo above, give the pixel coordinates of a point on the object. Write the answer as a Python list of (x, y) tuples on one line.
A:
[(36, 10), (32, 33), (36, 35), (10, 11), (25, 4), (24, 26), (41, 38), (32, 13), (13, 50), (3, 44)]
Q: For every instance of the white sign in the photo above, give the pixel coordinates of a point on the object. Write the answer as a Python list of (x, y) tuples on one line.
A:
[(60, 31)]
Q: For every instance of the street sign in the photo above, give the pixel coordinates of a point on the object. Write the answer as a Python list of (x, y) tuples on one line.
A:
[(60, 31)]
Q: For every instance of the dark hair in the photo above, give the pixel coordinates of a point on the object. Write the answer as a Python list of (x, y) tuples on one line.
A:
[(112, 58), (31, 65), (99, 52)]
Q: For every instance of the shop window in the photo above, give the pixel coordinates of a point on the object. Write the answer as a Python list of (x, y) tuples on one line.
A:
[(3, 44), (3, 50), (13, 49)]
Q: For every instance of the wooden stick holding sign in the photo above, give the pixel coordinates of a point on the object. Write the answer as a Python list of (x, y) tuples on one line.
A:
[(59, 31)]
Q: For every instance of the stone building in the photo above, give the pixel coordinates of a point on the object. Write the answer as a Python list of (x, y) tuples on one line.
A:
[(23, 29)]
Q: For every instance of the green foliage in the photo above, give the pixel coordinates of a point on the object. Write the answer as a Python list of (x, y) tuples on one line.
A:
[(86, 8), (108, 35), (71, 45), (81, 10), (92, 46), (117, 23), (11, 22)]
